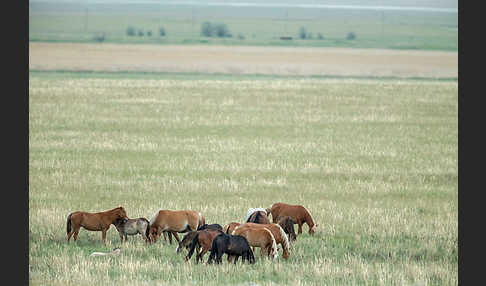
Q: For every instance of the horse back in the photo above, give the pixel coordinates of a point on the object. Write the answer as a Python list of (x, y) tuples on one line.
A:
[(177, 220)]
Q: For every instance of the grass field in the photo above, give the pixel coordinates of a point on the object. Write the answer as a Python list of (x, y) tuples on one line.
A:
[(62, 21), (373, 160)]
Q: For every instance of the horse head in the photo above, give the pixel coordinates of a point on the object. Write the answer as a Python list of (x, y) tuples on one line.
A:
[(312, 230), (153, 233), (121, 213)]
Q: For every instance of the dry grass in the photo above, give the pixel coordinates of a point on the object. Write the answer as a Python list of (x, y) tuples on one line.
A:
[(243, 60), (374, 161)]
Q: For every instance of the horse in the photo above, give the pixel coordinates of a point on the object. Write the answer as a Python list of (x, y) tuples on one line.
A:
[(132, 227), (287, 225), (187, 239), (258, 217), (252, 211), (100, 221), (259, 237), (228, 229), (210, 226), (173, 222), (232, 245), (203, 239), (277, 232), (297, 213)]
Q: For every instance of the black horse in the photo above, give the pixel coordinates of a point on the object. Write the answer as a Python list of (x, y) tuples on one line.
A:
[(214, 226), (232, 245)]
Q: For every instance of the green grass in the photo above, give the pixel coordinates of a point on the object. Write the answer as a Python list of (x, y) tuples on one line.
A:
[(373, 160), (72, 22)]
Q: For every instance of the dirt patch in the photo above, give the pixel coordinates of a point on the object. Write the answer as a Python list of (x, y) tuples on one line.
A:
[(242, 60)]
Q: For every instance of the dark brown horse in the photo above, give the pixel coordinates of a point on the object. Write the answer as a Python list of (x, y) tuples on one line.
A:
[(173, 222), (100, 221), (297, 213), (202, 242), (287, 225)]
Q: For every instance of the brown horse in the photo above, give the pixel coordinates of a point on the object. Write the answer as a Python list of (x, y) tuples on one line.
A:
[(297, 213), (258, 217), (203, 239), (228, 229), (287, 225), (100, 221), (277, 232), (259, 237), (173, 222)]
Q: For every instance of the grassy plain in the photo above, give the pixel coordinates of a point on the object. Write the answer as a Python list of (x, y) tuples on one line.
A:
[(374, 161), (81, 22)]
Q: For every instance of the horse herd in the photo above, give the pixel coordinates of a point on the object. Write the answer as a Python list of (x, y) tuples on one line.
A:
[(234, 239)]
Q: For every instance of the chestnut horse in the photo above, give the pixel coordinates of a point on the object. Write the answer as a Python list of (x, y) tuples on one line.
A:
[(287, 225), (100, 221), (203, 239), (259, 237), (277, 232), (297, 213), (173, 222), (228, 229)]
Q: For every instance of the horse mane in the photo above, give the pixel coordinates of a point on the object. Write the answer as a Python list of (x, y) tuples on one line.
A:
[(308, 218), (274, 242), (286, 244)]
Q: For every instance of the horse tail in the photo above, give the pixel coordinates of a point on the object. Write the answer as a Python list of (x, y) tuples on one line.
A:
[(195, 242), (68, 223)]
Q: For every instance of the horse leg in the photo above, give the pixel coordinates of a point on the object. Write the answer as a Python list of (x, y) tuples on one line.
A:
[(103, 235), (121, 237), (230, 258), (76, 231), (176, 237), (236, 258), (300, 227)]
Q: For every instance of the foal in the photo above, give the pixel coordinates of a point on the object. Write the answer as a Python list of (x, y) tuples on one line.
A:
[(132, 227), (100, 221)]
